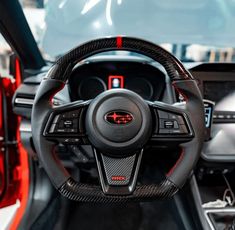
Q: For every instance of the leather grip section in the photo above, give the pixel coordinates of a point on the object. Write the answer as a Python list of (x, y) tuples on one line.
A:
[(45, 149), (191, 150)]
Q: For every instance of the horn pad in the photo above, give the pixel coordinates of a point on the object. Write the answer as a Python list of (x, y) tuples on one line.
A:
[(118, 122)]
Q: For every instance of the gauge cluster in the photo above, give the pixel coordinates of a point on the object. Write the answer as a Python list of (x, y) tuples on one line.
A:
[(90, 87), (92, 78)]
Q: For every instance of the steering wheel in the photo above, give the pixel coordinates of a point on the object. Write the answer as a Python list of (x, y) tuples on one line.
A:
[(117, 124)]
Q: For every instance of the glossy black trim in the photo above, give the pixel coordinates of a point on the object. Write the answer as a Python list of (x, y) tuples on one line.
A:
[(118, 190)]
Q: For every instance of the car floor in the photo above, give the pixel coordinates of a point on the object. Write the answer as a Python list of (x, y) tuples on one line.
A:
[(132, 216), (64, 214)]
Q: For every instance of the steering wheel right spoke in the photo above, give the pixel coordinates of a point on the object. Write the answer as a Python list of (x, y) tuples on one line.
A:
[(172, 123), (66, 124)]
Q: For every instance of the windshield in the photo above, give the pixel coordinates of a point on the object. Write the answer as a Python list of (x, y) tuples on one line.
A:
[(194, 29)]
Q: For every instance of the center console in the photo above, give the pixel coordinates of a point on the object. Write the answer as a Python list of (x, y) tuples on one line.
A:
[(215, 173), (214, 195)]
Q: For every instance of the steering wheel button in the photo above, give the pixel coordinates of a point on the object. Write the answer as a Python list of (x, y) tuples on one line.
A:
[(221, 116), (163, 114), (75, 140), (58, 130), (66, 140), (176, 125), (75, 123), (71, 130), (164, 131), (56, 119), (52, 128), (68, 123), (73, 114), (177, 117), (65, 115), (71, 140), (168, 124), (172, 116), (161, 123), (175, 131)]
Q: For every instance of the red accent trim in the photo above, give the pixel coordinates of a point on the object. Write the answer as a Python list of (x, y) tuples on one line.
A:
[(119, 42), (24, 186), (176, 164), (10, 186), (55, 92), (2, 155), (23, 167), (119, 77), (17, 72), (179, 91), (119, 118), (57, 160), (118, 178)]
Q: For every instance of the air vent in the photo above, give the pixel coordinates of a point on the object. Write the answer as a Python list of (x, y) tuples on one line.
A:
[(24, 102)]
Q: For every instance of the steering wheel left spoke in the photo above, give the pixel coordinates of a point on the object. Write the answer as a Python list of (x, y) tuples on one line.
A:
[(66, 123)]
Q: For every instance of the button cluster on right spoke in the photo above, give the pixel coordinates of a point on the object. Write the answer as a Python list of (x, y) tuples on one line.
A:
[(171, 123)]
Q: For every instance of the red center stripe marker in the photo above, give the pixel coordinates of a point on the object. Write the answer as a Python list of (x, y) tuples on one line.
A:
[(119, 42)]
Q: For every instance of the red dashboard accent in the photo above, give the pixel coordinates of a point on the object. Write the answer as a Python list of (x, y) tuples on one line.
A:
[(111, 81)]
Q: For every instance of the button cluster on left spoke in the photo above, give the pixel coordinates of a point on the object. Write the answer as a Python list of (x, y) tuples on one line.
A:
[(65, 127), (65, 123)]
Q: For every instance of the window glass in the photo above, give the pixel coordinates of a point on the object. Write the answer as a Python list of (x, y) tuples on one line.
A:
[(5, 52)]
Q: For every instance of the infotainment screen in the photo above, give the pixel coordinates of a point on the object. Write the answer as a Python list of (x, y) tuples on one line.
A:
[(222, 93)]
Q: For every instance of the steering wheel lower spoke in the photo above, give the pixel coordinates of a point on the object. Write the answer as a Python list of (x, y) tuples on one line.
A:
[(118, 175), (172, 123), (66, 123)]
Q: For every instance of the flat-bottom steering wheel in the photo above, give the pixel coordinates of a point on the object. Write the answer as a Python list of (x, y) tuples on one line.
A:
[(117, 124)]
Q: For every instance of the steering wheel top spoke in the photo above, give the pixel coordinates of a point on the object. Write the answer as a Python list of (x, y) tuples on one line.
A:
[(66, 123)]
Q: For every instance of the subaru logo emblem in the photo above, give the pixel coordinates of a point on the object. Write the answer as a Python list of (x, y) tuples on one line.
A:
[(119, 117)]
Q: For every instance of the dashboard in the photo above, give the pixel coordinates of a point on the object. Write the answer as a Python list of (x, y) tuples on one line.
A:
[(216, 83), (92, 78), (218, 86)]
